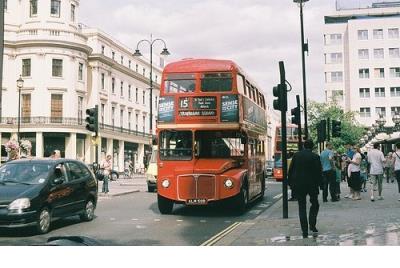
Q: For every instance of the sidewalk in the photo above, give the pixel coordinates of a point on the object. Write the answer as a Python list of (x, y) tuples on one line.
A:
[(124, 186), (346, 223)]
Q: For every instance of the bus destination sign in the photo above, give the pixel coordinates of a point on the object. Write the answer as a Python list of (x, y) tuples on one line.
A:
[(207, 103)]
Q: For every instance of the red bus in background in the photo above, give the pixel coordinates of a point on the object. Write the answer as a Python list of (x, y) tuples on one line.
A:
[(211, 131), (292, 147)]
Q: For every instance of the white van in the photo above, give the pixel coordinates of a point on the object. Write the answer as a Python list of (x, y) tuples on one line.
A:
[(151, 173)]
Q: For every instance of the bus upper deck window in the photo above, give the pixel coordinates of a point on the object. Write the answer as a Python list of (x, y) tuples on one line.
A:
[(216, 82), (180, 83)]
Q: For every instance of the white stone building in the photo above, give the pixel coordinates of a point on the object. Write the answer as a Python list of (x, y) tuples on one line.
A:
[(66, 69), (362, 60)]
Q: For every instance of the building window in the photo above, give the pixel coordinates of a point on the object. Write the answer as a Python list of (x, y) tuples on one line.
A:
[(113, 116), (365, 112), (144, 96), (335, 39), (380, 92), (26, 67), (57, 68), (378, 33), (113, 85), (80, 110), (144, 72), (336, 76), (121, 118), (122, 89), (394, 53), (26, 107), (156, 102), (129, 92), (55, 8), (33, 8), (103, 82), (144, 124), (113, 55), (364, 93), (363, 73), (393, 33), (380, 111), (395, 92), (137, 121), (395, 110), (395, 72), (137, 68), (363, 54), (122, 60), (338, 62), (335, 58), (103, 48), (5, 6), (80, 72), (129, 120), (129, 64), (137, 95), (362, 34), (103, 110), (378, 53), (379, 72), (56, 108), (72, 12)]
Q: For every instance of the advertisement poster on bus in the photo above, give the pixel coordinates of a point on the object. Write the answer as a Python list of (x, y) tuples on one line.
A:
[(229, 108), (253, 113), (166, 109)]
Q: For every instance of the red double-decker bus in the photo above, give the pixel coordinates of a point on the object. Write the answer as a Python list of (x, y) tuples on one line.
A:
[(292, 147), (211, 131)]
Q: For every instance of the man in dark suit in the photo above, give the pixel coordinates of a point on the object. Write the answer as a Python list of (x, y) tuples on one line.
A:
[(305, 178)]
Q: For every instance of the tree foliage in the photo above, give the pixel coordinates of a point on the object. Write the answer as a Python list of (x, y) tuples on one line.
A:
[(351, 132)]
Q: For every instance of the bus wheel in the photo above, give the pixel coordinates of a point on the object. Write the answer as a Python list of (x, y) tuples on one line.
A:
[(242, 200), (164, 204)]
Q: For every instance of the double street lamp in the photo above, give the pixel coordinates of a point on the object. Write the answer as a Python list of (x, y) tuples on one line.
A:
[(304, 49), (164, 53), (20, 85)]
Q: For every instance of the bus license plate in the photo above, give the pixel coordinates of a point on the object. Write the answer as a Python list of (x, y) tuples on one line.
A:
[(196, 201)]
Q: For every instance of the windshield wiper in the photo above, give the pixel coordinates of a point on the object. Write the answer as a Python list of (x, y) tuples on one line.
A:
[(13, 181)]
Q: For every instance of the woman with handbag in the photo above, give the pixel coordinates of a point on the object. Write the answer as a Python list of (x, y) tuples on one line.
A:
[(106, 166)]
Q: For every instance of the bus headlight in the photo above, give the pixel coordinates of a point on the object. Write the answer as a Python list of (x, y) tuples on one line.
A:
[(228, 183), (165, 183)]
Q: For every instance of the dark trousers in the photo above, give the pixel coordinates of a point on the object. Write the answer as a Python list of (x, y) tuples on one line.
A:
[(312, 218), (329, 182), (397, 173)]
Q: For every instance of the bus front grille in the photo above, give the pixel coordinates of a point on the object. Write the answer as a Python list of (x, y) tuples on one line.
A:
[(196, 186)]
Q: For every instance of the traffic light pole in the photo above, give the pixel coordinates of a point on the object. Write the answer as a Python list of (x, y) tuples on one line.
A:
[(328, 128), (284, 139), (97, 134), (299, 130)]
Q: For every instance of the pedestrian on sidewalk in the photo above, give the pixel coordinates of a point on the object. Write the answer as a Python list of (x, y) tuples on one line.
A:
[(338, 169), (106, 165), (364, 171), (354, 174), (376, 159), (305, 178), (348, 158), (397, 165), (389, 169), (328, 173)]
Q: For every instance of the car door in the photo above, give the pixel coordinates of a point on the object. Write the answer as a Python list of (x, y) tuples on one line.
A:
[(78, 186), (58, 197)]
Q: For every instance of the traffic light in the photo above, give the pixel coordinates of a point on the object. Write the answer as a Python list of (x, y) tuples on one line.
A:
[(336, 128), (280, 103), (296, 115), (92, 123), (321, 131)]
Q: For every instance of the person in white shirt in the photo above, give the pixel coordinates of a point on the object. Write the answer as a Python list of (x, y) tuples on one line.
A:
[(354, 174), (396, 156), (376, 159)]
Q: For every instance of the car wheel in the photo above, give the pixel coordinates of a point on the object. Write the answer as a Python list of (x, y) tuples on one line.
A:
[(88, 215), (44, 221), (114, 176), (164, 204)]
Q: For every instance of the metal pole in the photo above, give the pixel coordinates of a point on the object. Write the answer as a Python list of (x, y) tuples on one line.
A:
[(151, 86), (19, 112), (284, 139), (1, 54), (304, 71), (328, 129), (299, 130)]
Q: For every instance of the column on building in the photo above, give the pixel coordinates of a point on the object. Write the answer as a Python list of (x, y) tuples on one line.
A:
[(70, 148), (121, 157), (139, 161), (39, 144)]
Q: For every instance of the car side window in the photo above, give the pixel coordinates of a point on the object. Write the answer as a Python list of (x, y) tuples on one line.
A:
[(85, 171), (75, 172), (63, 173)]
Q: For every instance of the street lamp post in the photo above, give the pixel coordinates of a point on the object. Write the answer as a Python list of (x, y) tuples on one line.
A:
[(137, 53), (304, 49), (20, 84)]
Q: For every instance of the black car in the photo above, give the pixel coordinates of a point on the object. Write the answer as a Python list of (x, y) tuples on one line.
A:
[(37, 191)]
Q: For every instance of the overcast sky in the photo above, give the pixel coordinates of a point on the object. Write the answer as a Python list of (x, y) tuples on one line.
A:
[(256, 34)]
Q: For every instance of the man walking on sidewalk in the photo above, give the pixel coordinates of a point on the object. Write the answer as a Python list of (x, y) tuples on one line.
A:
[(376, 159), (328, 172), (305, 178)]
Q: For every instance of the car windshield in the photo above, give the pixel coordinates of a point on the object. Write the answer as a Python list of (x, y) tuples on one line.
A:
[(176, 145), (219, 144), (24, 173)]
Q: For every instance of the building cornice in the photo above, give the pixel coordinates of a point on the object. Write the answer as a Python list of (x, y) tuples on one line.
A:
[(46, 43)]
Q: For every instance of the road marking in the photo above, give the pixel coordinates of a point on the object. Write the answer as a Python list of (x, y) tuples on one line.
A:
[(141, 227), (255, 211), (157, 220), (134, 219), (221, 234), (264, 205), (112, 219), (179, 220), (277, 196)]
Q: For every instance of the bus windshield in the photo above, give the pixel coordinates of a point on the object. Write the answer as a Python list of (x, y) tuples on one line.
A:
[(176, 145), (180, 83), (218, 144), (216, 82)]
